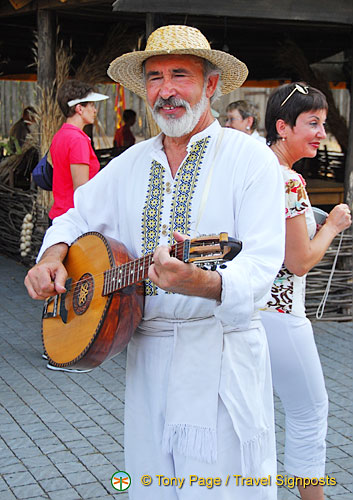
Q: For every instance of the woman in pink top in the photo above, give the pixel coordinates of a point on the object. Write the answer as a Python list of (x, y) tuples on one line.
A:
[(73, 158)]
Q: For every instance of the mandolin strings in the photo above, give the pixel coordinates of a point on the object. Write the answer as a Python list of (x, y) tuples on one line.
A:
[(176, 251)]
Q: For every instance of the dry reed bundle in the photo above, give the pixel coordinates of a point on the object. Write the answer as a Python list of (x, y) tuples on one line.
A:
[(10, 163), (50, 116), (290, 57), (93, 68), (152, 125)]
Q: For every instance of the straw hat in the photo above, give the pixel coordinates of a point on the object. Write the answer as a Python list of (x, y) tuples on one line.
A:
[(127, 69)]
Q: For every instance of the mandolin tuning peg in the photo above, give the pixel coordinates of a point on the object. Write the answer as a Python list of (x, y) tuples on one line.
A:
[(213, 267), (223, 266)]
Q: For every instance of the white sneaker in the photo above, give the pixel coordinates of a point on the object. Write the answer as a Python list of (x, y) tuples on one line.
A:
[(64, 369)]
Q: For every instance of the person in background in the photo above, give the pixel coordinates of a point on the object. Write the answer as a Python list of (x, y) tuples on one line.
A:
[(74, 161), (295, 124), (124, 138), (22, 127), (244, 116)]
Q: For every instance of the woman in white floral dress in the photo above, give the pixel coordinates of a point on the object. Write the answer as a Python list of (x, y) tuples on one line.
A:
[(295, 124)]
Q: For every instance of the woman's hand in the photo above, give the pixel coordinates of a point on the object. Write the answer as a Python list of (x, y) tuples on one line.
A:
[(302, 254), (339, 218)]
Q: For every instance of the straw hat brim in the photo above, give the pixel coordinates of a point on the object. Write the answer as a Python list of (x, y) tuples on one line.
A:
[(127, 69)]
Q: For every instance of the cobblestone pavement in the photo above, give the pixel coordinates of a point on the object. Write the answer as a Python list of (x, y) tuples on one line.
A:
[(61, 435)]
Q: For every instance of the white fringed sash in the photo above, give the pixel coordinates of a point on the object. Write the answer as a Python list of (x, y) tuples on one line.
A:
[(193, 391)]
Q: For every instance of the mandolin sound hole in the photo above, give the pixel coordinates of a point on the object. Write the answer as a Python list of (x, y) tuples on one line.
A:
[(83, 293)]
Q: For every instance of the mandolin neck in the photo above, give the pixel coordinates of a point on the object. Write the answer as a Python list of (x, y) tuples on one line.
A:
[(136, 270)]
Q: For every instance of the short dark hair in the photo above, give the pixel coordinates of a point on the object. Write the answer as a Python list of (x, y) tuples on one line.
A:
[(128, 114), (29, 112), (245, 109), (289, 111), (69, 90)]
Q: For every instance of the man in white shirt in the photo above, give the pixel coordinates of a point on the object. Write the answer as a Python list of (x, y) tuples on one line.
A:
[(198, 386)]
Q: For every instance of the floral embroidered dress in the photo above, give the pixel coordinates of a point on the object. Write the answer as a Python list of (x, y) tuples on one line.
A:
[(288, 290)]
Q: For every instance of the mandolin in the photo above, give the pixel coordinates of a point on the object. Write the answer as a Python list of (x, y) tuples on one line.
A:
[(103, 304)]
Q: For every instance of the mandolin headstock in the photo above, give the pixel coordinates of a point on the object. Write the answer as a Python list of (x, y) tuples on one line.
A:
[(211, 251)]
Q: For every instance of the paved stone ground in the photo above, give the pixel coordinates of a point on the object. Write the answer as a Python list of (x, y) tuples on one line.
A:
[(61, 435)]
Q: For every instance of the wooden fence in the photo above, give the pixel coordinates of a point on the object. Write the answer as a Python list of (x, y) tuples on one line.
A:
[(339, 300)]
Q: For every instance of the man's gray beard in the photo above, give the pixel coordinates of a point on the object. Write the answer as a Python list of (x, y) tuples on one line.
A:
[(177, 127)]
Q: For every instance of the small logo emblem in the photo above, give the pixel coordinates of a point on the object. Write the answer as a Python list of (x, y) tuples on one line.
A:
[(83, 293), (121, 480)]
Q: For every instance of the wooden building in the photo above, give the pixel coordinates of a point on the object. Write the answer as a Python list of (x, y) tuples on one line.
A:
[(258, 32)]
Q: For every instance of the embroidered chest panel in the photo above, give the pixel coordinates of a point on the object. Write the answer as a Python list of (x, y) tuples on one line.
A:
[(180, 209)]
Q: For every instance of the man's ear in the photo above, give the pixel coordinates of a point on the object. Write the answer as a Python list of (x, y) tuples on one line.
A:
[(211, 85)]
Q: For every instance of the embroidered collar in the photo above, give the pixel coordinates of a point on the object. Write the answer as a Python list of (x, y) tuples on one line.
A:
[(157, 144)]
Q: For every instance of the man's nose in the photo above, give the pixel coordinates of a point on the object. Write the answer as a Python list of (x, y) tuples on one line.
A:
[(167, 88)]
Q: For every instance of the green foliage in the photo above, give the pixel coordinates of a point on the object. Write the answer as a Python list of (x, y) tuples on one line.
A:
[(10, 146)]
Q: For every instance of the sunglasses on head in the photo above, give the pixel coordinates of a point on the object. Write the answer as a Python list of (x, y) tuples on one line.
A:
[(299, 88)]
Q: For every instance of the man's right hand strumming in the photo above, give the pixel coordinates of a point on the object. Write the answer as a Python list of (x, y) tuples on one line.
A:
[(48, 277)]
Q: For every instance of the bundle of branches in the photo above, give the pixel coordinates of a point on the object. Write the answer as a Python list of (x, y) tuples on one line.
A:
[(93, 68), (50, 117), (291, 58), (153, 128), (10, 164)]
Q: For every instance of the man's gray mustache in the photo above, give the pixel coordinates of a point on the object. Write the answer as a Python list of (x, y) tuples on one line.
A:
[(171, 101)]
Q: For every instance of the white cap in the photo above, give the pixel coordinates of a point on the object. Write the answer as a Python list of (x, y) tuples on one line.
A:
[(91, 97)]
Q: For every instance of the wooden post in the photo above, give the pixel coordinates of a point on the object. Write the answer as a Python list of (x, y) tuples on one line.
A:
[(46, 73), (46, 48), (149, 24)]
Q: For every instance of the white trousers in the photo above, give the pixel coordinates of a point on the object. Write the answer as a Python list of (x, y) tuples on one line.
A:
[(299, 382), (148, 365)]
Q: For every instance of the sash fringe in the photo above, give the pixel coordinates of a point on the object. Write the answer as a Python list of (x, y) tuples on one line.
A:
[(191, 441), (254, 451)]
